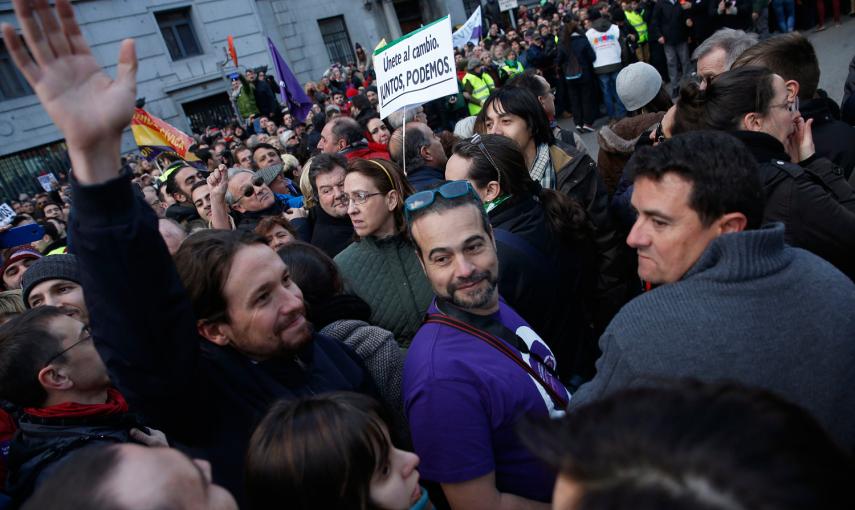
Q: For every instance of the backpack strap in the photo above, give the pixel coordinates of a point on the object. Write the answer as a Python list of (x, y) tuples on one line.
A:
[(559, 401)]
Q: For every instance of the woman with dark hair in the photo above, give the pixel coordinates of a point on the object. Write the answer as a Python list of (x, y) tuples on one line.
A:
[(547, 260), (381, 267), (343, 316), (377, 133), (276, 230), (517, 114), (330, 451), (808, 194), (576, 63)]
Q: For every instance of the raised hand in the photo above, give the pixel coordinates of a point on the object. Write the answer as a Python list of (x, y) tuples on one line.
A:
[(90, 108), (219, 183)]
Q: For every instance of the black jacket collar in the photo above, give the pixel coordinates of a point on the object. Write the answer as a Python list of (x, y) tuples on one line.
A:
[(764, 147)]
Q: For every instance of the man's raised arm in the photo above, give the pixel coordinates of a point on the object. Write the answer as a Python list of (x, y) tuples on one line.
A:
[(141, 317)]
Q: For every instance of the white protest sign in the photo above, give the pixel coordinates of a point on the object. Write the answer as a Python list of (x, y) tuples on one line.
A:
[(6, 214), (416, 68), (506, 5), (48, 181), (469, 31)]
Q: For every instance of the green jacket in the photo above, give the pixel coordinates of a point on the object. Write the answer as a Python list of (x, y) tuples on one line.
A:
[(245, 99), (386, 273)]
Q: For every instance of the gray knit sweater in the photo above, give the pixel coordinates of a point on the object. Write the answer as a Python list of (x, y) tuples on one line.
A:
[(383, 359), (751, 310)]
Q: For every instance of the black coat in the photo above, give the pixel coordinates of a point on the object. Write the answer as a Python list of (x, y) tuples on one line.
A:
[(579, 178), (812, 199), (740, 21), (832, 138), (265, 99), (328, 233), (582, 51), (669, 21), (41, 444), (200, 394), (546, 292)]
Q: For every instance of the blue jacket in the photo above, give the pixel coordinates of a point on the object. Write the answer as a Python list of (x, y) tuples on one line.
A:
[(423, 177), (200, 394)]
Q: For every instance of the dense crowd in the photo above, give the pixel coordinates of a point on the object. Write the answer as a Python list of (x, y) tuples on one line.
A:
[(457, 306)]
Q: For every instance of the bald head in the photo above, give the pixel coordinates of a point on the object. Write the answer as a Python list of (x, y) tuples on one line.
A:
[(396, 145)]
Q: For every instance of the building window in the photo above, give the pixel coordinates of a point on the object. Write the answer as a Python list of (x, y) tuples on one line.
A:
[(176, 26), (19, 171), (12, 82), (337, 40)]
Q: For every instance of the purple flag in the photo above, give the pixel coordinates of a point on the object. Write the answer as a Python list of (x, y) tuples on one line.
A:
[(290, 89)]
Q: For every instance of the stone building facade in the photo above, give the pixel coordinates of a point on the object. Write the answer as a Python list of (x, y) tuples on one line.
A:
[(183, 64)]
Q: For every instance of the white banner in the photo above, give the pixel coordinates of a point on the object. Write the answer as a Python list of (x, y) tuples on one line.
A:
[(469, 31), (506, 5), (416, 68)]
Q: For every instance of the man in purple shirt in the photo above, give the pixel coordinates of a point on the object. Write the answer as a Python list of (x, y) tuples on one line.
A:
[(476, 367)]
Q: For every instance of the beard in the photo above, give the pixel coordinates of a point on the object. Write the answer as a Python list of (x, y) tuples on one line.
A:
[(473, 297)]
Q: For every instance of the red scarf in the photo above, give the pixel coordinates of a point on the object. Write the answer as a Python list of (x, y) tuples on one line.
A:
[(115, 405)]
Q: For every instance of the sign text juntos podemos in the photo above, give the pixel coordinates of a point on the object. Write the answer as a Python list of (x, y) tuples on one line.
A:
[(416, 68)]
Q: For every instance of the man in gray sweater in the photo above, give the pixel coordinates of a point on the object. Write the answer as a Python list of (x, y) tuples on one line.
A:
[(732, 302)]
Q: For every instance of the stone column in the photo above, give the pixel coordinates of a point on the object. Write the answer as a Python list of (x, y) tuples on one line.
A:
[(391, 19)]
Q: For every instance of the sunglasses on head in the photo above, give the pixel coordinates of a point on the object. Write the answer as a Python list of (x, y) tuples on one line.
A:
[(476, 140), (449, 190)]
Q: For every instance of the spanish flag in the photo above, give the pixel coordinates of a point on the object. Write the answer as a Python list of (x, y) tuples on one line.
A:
[(155, 136)]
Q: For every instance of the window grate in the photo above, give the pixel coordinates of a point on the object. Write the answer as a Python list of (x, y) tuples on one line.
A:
[(337, 40)]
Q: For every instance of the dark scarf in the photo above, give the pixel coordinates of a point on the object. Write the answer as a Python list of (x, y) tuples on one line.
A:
[(343, 306)]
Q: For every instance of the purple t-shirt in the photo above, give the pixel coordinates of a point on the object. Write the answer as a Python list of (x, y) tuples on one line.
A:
[(463, 398)]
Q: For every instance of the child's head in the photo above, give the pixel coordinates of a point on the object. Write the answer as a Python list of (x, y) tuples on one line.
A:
[(329, 451)]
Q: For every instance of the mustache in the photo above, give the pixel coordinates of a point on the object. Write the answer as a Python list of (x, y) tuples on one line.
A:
[(288, 320), (471, 279)]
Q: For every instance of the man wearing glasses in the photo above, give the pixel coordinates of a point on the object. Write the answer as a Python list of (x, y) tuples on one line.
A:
[(51, 371), (475, 367)]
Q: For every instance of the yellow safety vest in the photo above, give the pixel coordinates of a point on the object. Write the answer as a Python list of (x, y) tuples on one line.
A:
[(481, 88), (637, 22), (510, 72)]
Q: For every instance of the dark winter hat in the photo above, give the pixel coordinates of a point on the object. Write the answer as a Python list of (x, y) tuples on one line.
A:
[(53, 267)]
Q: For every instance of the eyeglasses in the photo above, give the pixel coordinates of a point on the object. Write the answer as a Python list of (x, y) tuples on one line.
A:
[(791, 106), (358, 197), (249, 190), (476, 140), (88, 336), (449, 190)]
